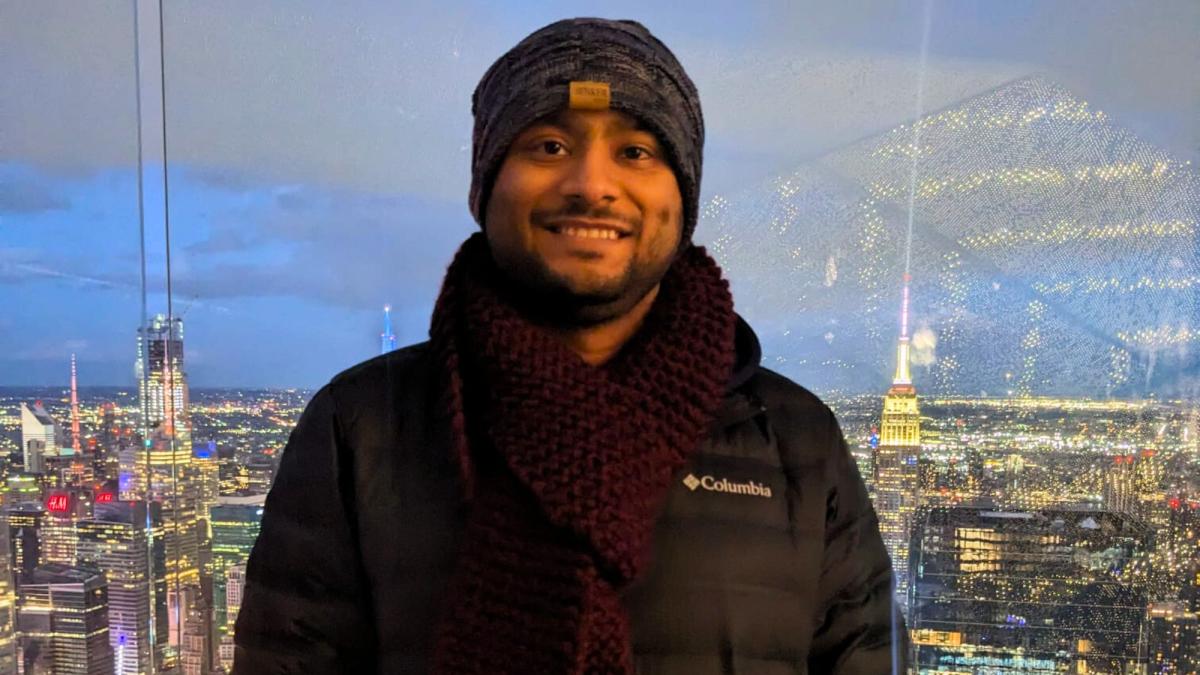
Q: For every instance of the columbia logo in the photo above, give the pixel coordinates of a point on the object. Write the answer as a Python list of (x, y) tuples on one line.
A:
[(725, 485)]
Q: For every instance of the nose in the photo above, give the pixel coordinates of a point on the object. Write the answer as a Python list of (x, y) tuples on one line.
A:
[(590, 176)]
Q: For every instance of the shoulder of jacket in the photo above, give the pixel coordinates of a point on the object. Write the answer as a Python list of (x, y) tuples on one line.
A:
[(375, 380), (805, 427), (779, 394)]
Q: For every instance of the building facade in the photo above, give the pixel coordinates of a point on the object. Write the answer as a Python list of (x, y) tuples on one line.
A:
[(62, 619), (896, 479), (1047, 591), (117, 541)]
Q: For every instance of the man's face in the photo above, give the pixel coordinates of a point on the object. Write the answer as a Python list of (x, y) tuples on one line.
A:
[(585, 215)]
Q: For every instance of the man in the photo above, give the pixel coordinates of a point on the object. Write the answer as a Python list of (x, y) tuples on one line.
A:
[(585, 469)]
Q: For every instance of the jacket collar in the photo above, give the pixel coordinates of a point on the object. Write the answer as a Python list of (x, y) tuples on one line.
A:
[(740, 401), (749, 354)]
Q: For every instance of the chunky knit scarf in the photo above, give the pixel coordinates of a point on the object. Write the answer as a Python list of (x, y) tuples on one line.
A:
[(566, 464)]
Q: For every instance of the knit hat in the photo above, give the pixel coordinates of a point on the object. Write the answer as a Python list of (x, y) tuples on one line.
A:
[(593, 64)]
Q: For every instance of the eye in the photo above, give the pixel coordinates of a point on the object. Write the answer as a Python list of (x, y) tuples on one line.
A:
[(632, 152), (549, 147)]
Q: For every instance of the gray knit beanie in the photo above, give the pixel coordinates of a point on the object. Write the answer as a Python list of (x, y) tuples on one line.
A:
[(594, 64)]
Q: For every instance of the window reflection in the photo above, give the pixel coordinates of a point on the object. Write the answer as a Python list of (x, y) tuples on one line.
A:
[(998, 294)]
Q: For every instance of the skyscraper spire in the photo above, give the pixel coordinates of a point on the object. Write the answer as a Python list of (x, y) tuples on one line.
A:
[(903, 376), (74, 409), (897, 493), (387, 339)]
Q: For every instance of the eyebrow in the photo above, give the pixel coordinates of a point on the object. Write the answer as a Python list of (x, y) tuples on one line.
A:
[(562, 119)]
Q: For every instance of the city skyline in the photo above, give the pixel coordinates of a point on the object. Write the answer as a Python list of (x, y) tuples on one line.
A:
[(972, 229)]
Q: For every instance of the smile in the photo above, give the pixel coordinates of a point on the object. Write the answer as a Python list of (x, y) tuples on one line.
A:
[(582, 228), (587, 232)]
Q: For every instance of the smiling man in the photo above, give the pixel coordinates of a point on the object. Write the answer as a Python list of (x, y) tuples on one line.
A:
[(585, 469)]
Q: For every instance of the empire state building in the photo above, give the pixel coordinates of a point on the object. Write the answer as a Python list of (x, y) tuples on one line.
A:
[(896, 477)]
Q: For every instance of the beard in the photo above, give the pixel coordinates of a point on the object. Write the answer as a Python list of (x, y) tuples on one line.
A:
[(547, 297)]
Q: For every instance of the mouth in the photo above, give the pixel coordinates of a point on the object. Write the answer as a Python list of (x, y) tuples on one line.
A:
[(587, 229)]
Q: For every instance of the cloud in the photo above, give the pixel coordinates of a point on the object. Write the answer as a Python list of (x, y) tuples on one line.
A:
[(25, 197), (363, 101), (223, 240), (52, 349), (339, 248)]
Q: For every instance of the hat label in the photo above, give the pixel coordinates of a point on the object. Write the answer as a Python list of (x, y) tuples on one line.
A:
[(589, 95)]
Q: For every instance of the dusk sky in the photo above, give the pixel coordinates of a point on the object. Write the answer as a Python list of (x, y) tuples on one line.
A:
[(319, 158)]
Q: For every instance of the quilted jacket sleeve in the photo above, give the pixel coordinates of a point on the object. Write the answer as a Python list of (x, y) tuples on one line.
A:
[(305, 608), (860, 630)]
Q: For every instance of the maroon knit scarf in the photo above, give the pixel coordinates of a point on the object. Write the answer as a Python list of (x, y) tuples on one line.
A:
[(581, 460)]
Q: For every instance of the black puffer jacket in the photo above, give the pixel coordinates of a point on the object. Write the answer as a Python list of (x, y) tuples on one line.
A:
[(767, 559)]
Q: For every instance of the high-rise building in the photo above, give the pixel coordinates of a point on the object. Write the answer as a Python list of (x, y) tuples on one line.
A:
[(260, 473), (62, 619), (116, 542), (22, 488), (8, 645), (57, 535), (1149, 474), (235, 585), (1179, 550), (25, 537), (1047, 591), (1119, 492), (208, 468), (39, 436), (235, 526), (76, 443), (162, 465), (197, 657), (896, 480), (1174, 639)]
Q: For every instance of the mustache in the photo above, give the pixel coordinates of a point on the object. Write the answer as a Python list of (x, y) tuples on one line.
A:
[(540, 217)]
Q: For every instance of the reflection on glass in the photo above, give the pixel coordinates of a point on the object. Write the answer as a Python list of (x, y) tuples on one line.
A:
[(1000, 297)]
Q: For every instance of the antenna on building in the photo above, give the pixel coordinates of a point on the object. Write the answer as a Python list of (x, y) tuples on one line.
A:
[(74, 409), (903, 376), (387, 339)]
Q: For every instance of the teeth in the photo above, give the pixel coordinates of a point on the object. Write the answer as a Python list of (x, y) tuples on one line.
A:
[(591, 233)]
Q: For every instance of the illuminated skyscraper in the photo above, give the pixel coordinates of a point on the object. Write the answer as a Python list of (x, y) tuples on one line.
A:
[(21, 488), (1151, 501), (76, 446), (8, 599), (1174, 639), (208, 470), (1175, 622), (163, 463), (1050, 591), (57, 535), (235, 584), (196, 655), (62, 618), (39, 436), (1179, 544), (24, 522), (387, 339), (115, 542), (1119, 487), (897, 481), (235, 525)]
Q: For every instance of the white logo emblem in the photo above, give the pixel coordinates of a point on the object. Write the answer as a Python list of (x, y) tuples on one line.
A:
[(713, 484)]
